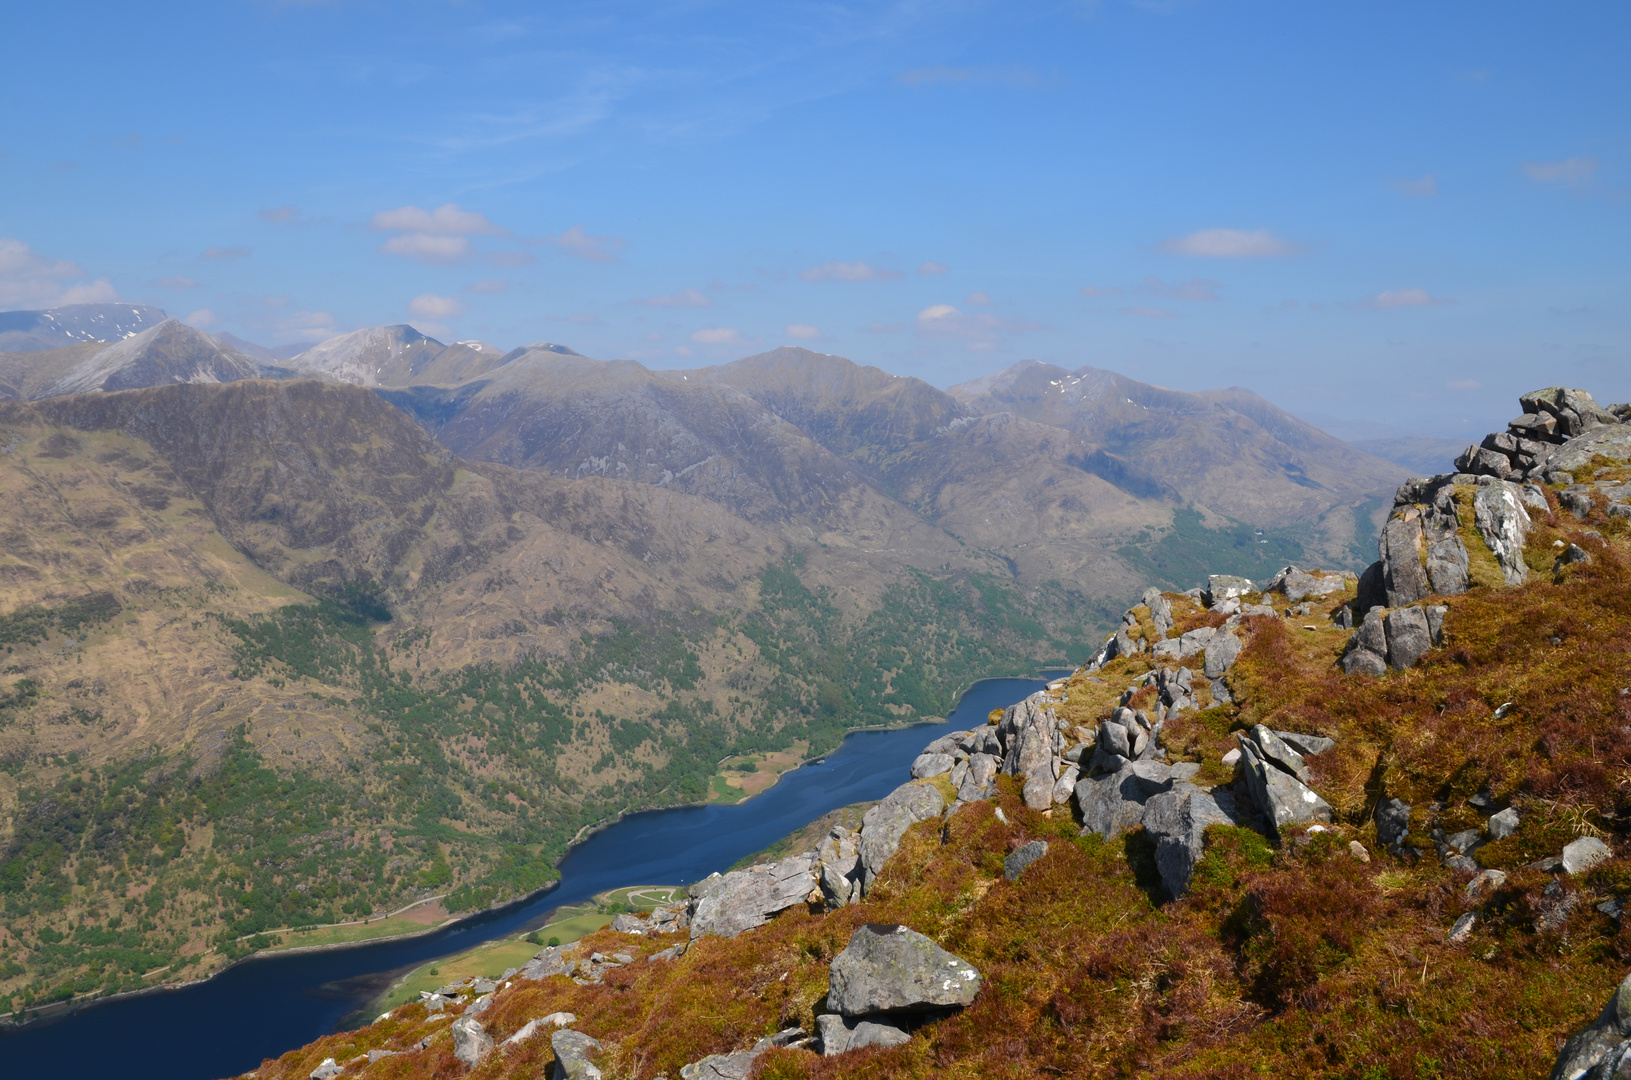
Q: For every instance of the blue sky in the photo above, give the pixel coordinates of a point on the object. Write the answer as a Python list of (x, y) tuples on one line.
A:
[(1400, 213)]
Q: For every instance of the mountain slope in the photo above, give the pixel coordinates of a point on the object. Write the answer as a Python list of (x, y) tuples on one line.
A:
[(396, 356), (1228, 450), (242, 620), (172, 351)]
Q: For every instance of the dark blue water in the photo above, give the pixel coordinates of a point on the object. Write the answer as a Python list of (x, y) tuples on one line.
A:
[(265, 1007)]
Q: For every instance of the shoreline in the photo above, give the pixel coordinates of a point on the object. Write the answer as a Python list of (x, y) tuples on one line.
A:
[(54, 1011)]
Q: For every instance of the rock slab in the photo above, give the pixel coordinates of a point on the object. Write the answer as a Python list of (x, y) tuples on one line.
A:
[(887, 968)]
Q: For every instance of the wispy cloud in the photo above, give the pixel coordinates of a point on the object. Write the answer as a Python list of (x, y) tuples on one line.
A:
[(802, 332), (581, 245), (978, 331), (280, 215), (201, 319), (932, 267), (30, 279), (1230, 244), (1404, 298), (721, 335), (970, 76), (427, 248), (688, 297), (1573, 172), (487, 287), (176, 281), (978, 299), (1196, 288), (223, 254), (1421, 187), (431, 306), (848, 271)]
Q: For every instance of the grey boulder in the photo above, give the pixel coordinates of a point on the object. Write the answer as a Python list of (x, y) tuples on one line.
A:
[(888, 968), (1177, 821), (1221, 653), (1306, 745), (1392, 821), (927, 765), (1114, 803), (840, 859), (1027, 730), (1024, 856), (327, 1070), (1602, 1049), (727, 904), (1583, 854), (1280, 797), (1502, 521), (980, 780), (1504, 824), (1408, 637)]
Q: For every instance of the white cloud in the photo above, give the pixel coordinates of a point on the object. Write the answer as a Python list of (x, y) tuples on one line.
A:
[(802, 332), (487, 287), (720, 335), (848, 271), (932, 267), (29, 279), (1575, 171), (428, 248), (305, 326), (446, 220), (1196, 288), (431, 306), (234, 251), (279, 215), (1095, 291), (1230, 244), (581, 245), (203, 319), (1151, 312), (978, 299), (978, 331), (176, 281), (1422, 187), (694, 298), (1402, 298)]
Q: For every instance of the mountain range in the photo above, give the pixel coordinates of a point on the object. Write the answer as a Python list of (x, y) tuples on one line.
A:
[(457, 604)]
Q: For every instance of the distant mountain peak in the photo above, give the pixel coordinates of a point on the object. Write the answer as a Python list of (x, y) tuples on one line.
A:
[(170, 352), (396, 355)]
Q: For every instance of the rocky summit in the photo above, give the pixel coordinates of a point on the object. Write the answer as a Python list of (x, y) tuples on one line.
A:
[(1219, 847)]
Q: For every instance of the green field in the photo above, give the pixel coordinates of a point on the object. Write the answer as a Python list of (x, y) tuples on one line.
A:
[(495, 957), (338, 935)]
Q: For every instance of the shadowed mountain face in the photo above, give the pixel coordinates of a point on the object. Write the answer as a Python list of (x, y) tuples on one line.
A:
[(73, 324), (396, 356), (1228, 450)]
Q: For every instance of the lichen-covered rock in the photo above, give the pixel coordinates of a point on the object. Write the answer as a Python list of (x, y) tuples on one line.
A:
[(1113, 803), (840, 1034), (884, 824), (327, 1070), (1392, 821), (980, 783), (1276, 751), (554, 960), (888, 968), (1279, 797), (1028, 731), (1366, 651), (471, 1042), (1221, 653), (1021, 857), (727, 904), (927, 765), (1221, 587), (573, 1053), (1583, 854), (1408, 637)]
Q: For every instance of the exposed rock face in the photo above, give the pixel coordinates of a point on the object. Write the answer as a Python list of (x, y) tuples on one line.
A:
[(1504, 524), (927, 765), (727, 904), (1583, 854), (1027, 731), (1113, 803), (1177, 821), (327, 1070), (1603, 1049), (573, 1053), (1279, 796), (737, 1066), (1297, 585), (891, 969), (884, 824), (471, 1042), (1408, 637), (546, 962), (840, 858), (1396, 639)]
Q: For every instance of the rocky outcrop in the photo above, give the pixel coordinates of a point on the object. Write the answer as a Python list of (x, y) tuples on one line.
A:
[(471, 1042), (1602, 1051), (840, 859), (1551, 419), (888, 980), (1275, 782), (1021, 857), (883, 825), (1177, 820), (727, 904), (739, 1065), (1499, 514), (841, 1034), (1396, 639), (1027, 733)]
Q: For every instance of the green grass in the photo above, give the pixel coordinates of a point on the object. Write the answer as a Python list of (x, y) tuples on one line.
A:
[(337, 935)]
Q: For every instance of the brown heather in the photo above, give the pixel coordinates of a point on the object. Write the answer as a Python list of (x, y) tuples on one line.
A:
[(1297, 961)]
